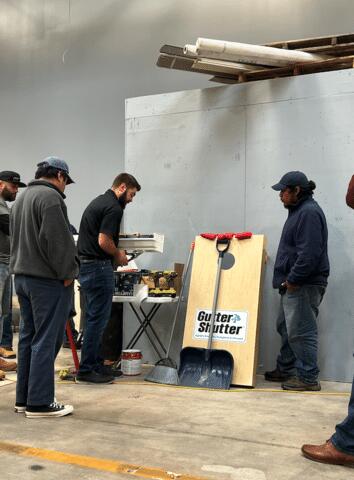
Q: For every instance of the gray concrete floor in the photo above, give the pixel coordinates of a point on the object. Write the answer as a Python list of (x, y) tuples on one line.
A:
[(237, 435)]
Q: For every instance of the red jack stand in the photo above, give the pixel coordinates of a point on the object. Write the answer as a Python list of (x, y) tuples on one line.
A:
[(69, 333)]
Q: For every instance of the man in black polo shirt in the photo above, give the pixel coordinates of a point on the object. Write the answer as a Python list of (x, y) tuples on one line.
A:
[(98, 252)]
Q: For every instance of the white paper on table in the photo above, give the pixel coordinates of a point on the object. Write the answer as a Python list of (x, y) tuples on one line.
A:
[(131, 266)]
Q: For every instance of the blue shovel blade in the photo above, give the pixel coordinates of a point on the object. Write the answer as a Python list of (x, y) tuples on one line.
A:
[(203, 368)]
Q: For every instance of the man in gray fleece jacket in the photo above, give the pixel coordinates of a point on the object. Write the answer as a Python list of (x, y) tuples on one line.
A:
[(44, 263)]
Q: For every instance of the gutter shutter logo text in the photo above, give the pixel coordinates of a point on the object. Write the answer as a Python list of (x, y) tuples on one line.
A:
[(229, 326)]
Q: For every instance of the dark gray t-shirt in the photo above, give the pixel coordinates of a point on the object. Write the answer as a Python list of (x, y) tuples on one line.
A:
[(4, 232)]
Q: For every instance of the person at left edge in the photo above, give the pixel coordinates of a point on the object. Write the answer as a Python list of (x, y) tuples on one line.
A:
[(10, 182), (43, 259)]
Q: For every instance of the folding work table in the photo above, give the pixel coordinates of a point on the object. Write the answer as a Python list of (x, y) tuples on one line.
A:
[(145, 318)]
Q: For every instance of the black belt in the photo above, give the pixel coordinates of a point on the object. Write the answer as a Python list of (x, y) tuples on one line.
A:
[(84, 259)]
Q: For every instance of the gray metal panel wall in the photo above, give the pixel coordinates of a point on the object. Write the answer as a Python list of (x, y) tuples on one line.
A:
[(206, 160), (190, 164)]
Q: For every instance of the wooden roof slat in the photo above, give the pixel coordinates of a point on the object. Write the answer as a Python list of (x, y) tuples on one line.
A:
[(339, 47), (225, 80), (169, 61), (172, 50), (334, 50), (313, 67), (313, 42), (219, 66)]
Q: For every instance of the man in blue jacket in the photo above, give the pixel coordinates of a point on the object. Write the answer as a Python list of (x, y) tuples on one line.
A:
[(300, 273)]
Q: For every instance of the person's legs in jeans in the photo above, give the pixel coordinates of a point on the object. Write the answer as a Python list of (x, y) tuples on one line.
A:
[(72, 314), (5, 295), (97, 284), (26, 334), (286, 359), (112, 338), (301, 311), (7, 334), (343, 438), (45, 306)]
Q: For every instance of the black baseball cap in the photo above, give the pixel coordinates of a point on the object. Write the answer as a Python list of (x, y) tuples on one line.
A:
[(292, 179), (12, 177)]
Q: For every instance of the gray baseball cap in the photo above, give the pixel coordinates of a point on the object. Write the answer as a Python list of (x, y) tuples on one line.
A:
[(58, 163)]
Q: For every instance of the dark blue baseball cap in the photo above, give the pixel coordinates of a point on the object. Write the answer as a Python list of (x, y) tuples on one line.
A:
[(292, 179), (57, 163)]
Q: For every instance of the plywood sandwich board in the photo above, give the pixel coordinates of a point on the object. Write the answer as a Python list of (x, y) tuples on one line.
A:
[(237, 315)]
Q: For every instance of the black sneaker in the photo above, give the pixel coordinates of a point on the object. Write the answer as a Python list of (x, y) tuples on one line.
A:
[(94, 377), (53, 410), (276, 376), (298, 385), (111, 371), (20, 407)]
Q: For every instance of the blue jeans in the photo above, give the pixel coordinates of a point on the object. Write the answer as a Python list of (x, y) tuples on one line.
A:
[(343, 439), (7, 333), (5, 296), (45, 305), (97, 285), (297, 327)]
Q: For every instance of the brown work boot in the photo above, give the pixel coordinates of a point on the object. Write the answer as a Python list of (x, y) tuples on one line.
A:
[(7, 353), (2, 375), (327, 453), (7, 366), (298, 385), (276, 376)]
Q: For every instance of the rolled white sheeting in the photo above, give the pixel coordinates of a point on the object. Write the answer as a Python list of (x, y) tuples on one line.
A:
[(251, 54)]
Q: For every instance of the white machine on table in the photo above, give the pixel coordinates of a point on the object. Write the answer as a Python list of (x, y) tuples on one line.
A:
[(135, 245)]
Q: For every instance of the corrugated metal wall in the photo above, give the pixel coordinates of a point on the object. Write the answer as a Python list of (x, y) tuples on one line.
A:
[(206, 160)]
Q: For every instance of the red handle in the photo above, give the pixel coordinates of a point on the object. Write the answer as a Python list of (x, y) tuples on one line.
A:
[(228, 235)]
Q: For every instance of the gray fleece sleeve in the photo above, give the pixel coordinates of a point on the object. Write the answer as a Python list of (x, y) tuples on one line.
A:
[(58, 243)]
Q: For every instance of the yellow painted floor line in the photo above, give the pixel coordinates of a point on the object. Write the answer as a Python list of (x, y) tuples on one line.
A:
[(93, 463), (239, 390), (232, 390)]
